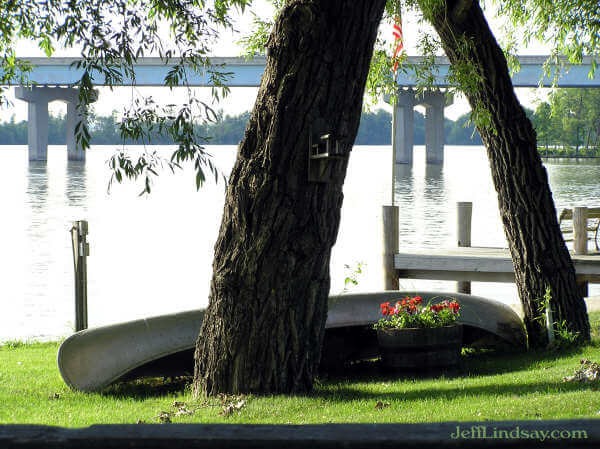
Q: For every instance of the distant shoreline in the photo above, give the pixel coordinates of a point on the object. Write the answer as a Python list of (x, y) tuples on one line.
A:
[(569, 157)]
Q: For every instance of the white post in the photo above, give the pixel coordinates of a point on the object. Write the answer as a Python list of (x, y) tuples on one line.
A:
[(463, 226), (549, 324), (391, 237)]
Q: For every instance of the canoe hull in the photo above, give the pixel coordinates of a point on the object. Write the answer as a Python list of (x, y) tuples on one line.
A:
[(92, 359)]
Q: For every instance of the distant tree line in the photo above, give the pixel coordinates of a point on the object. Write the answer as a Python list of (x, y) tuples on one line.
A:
[(375, 129), (568, 124)]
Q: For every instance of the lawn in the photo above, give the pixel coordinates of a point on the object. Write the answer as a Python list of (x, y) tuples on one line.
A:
[(488, 386)]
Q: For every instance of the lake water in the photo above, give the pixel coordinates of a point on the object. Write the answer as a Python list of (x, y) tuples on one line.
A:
[(152, 255)]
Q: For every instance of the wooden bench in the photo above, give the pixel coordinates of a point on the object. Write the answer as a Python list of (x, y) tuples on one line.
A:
[(592, 226)]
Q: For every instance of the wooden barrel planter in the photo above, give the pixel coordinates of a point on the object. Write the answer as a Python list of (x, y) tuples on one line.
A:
[(420, 348)]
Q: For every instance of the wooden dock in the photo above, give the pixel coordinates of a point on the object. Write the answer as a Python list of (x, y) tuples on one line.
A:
[(465, 263), (478, 264)]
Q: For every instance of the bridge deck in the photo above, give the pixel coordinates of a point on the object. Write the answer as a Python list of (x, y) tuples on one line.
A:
[(478, 264), (152, 71)]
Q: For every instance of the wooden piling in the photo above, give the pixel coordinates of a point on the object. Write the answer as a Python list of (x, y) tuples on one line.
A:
[(580, 236), (391, 235), (464, 214), (81, 250)]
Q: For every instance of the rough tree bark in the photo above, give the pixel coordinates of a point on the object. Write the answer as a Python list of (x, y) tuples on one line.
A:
[(265, 321), (538, 251)]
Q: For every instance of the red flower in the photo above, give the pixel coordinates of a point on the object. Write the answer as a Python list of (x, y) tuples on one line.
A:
[(454, 306)]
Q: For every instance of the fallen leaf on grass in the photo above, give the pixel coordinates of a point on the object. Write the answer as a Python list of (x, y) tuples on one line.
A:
[(183, 410), (225, 398), (54, 396), (381, 405), (588, 372), (164, 417), (230, 408)]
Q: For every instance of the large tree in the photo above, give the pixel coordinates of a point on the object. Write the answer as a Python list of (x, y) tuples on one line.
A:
[(263, 329), (265, 321), (540, 256)]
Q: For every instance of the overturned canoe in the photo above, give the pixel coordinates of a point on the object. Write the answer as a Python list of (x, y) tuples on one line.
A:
[(94, 358)]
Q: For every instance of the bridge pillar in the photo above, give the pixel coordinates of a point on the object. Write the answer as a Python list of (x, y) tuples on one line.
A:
[(434, 102), (37, 126), (74, 151), (37, 130), (403, 127)]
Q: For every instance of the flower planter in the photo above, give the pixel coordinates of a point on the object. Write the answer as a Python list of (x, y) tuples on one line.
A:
[(420, 348)]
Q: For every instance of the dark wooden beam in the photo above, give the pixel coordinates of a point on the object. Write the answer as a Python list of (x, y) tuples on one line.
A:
[(583, 433)]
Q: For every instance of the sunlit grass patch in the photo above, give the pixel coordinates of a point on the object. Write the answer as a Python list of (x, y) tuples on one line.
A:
[(488, 386)]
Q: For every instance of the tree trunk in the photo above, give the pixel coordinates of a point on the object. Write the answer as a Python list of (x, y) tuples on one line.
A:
[(265, 321), (538, 251)]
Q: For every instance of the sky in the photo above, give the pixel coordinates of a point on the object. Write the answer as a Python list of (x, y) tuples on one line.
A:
[(242, 99)]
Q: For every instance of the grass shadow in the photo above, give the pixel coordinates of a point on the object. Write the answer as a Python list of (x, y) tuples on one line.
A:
[(346, 392), (145, 388), (480, 363), (343, 386)]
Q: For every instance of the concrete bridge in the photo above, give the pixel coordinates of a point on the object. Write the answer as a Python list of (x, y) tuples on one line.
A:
[(53, 79)]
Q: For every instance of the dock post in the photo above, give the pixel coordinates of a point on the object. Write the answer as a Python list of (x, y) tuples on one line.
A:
[(464, 215), (580, 238), (81, 249), (391, 236)]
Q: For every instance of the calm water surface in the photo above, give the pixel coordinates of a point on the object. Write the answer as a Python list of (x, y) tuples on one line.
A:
[(152, 255)]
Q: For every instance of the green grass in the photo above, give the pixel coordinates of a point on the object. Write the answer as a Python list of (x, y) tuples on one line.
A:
[(488, 386)]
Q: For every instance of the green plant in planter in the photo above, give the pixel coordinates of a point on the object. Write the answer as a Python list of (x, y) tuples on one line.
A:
[(410, 313)]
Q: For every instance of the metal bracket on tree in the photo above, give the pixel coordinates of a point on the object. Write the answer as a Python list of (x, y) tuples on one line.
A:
[(323, 156)]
